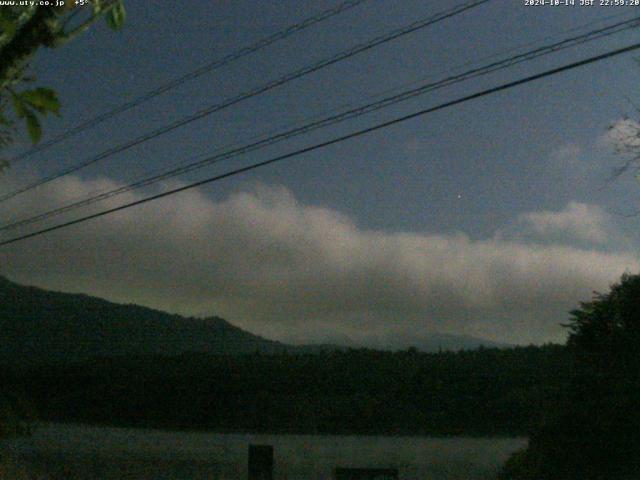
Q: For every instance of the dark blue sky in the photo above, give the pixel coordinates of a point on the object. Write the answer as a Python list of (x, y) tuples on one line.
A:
[(462, 150), (475, 170)]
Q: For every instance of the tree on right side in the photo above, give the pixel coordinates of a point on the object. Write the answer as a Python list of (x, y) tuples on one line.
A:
[(595, 431)]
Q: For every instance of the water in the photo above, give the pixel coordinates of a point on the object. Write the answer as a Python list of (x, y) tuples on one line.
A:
[(75, 451)]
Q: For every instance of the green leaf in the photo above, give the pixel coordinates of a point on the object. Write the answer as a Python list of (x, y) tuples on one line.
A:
[(97, 6), (19, 106), (116, 16), (42, 99), (33, 126), (4, 121), (8, 29), (8, 16)]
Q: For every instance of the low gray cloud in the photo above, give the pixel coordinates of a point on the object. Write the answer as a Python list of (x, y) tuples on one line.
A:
[(568, 154), (576, 223), (284, 269)]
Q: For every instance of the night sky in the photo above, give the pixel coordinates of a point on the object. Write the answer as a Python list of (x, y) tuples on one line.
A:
[(492, 218)]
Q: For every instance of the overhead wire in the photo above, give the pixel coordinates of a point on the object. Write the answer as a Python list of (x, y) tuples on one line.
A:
[(336, 140), (191, 75), (333, 119), (397, 33)]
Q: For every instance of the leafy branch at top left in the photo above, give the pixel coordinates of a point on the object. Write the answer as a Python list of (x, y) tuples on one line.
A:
[(24, 30)]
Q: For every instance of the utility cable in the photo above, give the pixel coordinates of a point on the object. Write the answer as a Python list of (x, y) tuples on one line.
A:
[(213, 65), (252, 93), (333, 141), (331, 120)]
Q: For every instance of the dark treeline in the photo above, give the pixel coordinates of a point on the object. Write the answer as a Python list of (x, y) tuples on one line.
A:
[(480, 392), (592, 432)]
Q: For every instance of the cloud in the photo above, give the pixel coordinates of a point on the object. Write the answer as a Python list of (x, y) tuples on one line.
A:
[(567, 154), (281, 268), (576, 222), (575, 169)]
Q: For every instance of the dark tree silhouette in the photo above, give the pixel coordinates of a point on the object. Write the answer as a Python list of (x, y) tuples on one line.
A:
[(595, 432)]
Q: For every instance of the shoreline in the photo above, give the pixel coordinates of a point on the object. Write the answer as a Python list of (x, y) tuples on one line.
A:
[(205, 430)]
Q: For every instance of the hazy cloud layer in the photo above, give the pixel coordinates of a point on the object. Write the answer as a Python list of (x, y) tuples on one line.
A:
[(567, 154), (579, 223), (275, 266)]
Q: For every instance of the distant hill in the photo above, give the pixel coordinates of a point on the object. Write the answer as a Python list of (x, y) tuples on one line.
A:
[(433, 342), (41, 325), (425, 342), (38, 325)]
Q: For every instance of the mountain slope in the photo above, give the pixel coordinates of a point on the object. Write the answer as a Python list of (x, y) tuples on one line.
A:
[(40, 325)]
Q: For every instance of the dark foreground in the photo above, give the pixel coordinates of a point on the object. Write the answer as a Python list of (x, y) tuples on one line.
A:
[(485, 392)]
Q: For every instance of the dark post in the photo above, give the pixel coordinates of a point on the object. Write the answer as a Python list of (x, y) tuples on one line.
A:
[(366, 473), (260, 462)]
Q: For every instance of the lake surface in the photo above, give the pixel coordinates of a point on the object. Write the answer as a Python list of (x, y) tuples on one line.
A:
[(82, 452)]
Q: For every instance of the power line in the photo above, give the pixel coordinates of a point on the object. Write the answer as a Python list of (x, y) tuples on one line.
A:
[(331, 120), (252, 93), (333, 141), (213, 65)]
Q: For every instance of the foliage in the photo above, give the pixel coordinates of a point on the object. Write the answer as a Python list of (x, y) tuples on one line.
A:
[(608, 327), (594, 431), (24, 30), (481, 392), (10, 469), (16, 415), (519, 465), (29, 103)]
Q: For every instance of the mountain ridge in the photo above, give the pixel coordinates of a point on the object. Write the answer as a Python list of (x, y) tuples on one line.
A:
[(39, 326)]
